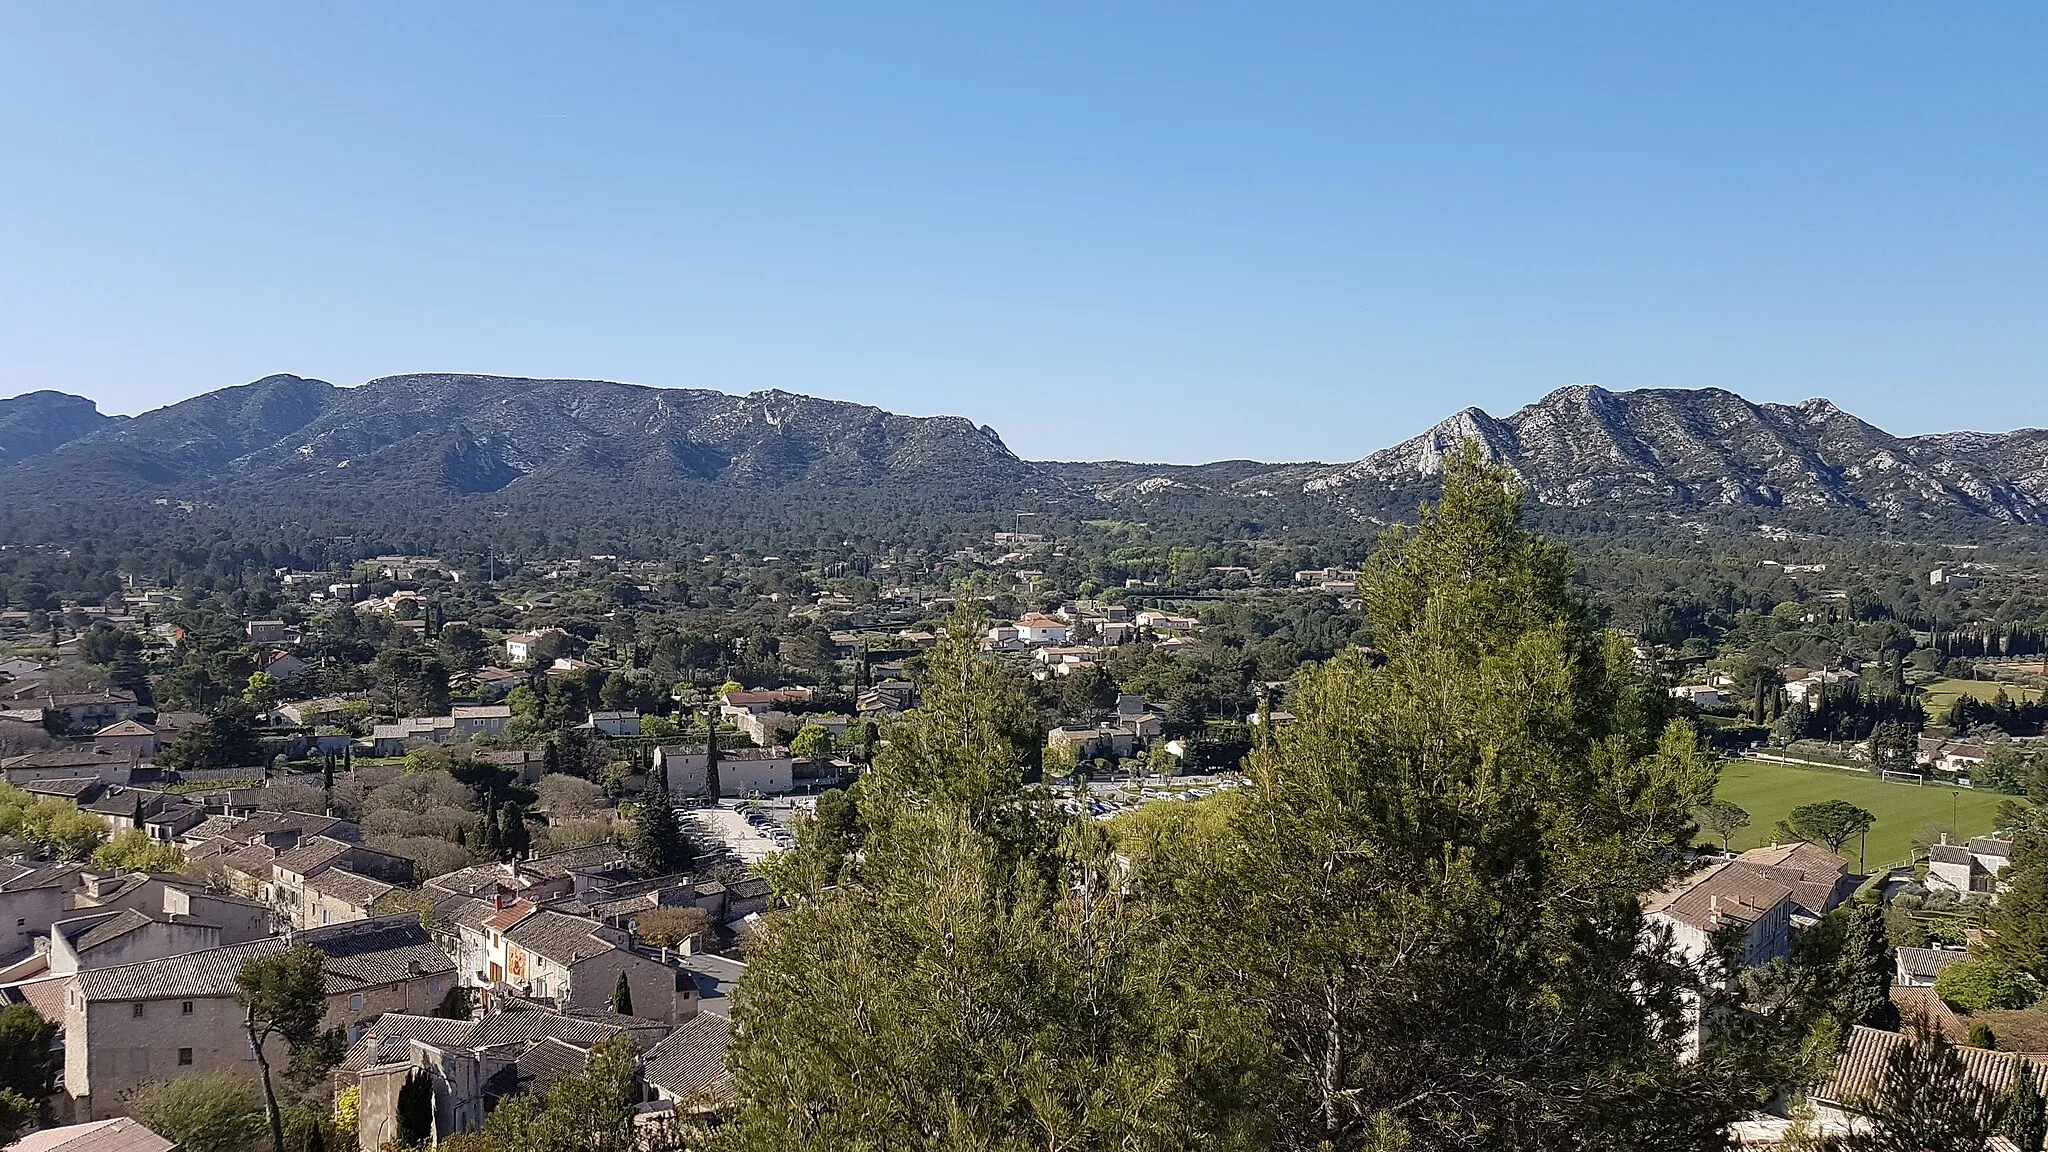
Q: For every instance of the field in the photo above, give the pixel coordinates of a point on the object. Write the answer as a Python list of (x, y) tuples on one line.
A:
[(1937, 695), (1768, 792)]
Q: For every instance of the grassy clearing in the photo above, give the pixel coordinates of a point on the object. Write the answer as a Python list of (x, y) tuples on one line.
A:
[(1937, 695), (1769, 792)]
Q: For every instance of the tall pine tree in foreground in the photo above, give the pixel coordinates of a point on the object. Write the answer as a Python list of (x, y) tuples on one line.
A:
[(1428, 896), (977, 976), (1416, 929)]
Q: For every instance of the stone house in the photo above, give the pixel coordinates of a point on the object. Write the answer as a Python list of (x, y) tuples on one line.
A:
[(339, 896), (32, 897), (127, 1025), (291, 871), (741, 771), (125, 936), (576, 962)]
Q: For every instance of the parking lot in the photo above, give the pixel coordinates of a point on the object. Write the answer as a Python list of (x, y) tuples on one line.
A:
[(749, 830)]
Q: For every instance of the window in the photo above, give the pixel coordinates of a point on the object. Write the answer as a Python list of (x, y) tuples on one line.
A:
[(434, 985), (184, 1008), (355, 1002), (138, 1010), (184, 1057)]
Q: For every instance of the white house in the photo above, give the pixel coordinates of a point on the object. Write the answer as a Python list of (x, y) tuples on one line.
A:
[(1038, 628), (1700, 696)]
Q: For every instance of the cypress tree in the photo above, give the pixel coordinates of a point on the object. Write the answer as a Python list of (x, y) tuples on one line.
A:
[(514, 832), (656, 842), (622, 996), (2026, 1116), (711, 781)]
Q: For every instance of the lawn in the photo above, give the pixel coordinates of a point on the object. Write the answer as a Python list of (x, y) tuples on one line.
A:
[(1937, 695), (1768, 792)]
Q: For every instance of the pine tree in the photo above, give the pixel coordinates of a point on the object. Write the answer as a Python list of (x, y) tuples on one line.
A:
[(983, 957), (622, 996), (1398, 858)]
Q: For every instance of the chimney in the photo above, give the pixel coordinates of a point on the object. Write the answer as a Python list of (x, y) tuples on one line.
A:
[(1713, 909)]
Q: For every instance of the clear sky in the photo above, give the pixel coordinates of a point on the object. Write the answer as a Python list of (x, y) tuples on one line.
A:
[(1167, 231)]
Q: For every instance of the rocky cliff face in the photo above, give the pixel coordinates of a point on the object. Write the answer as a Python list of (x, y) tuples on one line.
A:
[(473, 434), (39, 422), (432, 442), (1672, 449)]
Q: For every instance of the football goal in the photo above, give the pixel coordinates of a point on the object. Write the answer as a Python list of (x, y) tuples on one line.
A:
[(1900, 777)]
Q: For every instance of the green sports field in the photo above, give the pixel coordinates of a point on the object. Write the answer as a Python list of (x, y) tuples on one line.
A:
[(1768, 792), (1937, 695)]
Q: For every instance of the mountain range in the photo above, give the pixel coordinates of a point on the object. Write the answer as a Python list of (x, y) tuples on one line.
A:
[(445, 442)]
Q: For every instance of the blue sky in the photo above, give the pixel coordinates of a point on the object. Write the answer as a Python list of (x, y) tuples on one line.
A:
[(1171, 232)]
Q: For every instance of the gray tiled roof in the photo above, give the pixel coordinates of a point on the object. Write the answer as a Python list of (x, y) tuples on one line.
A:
[(349, 887), (1949, 854), (562, 939), (1928, 962), (70, 787), (304, 823), (691, 1062), (380, 951), (207, 973), (530, 1026), (119, 924), (463, 912), (255, 860), (560, 863), (749, 887), (311, 855), (60, 875), (388, 1039), (549, 1061)]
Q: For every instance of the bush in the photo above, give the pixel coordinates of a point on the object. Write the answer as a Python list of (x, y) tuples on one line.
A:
[(218, 1112), (669, 927), (430, 857), (134, 851), (1980, 985)]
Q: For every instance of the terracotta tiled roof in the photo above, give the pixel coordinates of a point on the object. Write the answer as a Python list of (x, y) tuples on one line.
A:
[(1862, 1065), (509, 915), (1730, 892), (122, 1134)]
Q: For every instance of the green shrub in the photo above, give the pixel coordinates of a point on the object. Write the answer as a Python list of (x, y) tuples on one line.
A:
[(1979, 985)]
